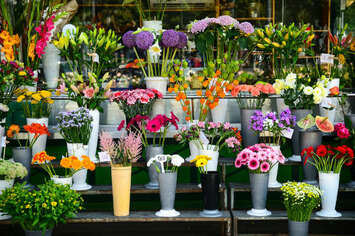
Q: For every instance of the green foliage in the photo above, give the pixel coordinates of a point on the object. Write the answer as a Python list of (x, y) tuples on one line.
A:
[(11, 170)]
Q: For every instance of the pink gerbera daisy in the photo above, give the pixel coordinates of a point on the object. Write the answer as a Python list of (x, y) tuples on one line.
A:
[(265, 167), (253, 164)]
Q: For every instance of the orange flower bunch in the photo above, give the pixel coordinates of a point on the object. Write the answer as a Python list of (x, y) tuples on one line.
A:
[(34, 128), (37, 129), (12, 131), (8, 43), (42, 157), (76, 164)]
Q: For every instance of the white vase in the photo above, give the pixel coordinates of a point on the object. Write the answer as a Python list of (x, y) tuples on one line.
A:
[(5, 184), (273, 183), (209, 150), (329, 185), (51, 61), (194, 146), (158, 108), (62, 180), (219, 113), (79, 178), (158, 83), (156, 25), (40, 144), (329, 113), (2, 143), (94, 136)]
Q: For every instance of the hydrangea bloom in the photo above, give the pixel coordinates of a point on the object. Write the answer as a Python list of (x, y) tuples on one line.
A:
[(246, 27), (227, 21)]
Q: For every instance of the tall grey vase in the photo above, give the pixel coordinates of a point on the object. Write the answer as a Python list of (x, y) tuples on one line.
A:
[(2, 133), (151, 152), (24, 156), (299, 113), (296, 228), (310, 139), (167, 182), (48, 232), (249, 138), (259, 187)]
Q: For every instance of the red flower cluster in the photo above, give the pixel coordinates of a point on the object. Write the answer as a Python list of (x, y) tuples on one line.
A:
[(327, 151)]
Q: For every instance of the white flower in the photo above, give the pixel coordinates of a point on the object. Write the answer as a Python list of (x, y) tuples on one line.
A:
[(291, 80), (268, 122), (151, 160), (308, 90), (177, 160), (154, 52), (317, 92), (4, 108), (317, 99)]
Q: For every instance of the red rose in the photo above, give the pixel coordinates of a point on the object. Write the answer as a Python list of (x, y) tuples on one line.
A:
[(321, 151), (349, 162)]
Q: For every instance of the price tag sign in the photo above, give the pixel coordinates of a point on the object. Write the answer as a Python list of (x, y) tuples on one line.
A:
[(104, 157), (326, 58), (3, 141), (287, 133)]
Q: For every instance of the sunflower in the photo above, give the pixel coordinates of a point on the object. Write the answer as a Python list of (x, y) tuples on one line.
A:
[(13, 129)]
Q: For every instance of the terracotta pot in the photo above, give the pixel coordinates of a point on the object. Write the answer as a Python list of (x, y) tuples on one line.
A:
[(121, 189)]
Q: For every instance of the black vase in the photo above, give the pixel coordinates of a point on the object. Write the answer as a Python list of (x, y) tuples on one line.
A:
[(210, 187)]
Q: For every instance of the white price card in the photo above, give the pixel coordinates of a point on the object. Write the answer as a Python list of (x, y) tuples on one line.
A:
[(287, 133), (326, 58), (104, 157)]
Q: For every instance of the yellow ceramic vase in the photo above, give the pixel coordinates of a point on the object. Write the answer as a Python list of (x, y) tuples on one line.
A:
[(121, 189)]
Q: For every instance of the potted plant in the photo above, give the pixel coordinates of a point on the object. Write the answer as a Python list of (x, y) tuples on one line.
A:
[(167, 167), (259, 159), (22, 153), (122, 153), (156, 127), (35, 211), (210, 187), (274, 128), (9, 170), (299, 199), (329, 160), (37, 108), (311, 135)]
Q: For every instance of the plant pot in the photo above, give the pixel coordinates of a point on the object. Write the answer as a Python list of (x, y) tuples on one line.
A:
[(310, 139), (62, 180), (23, 155), (259, 184), (329, 113), (155, 25), (299, 113), (194, 146), (151, 152), (297, 228), (121, 189), (208, 150), (210, 187), (329, 185), (5, 184), (351, 117), (219, 113), (2, 133), (79, 178), (40, 144), (280, 105), (158, 83), (38, 233), (94, 136), (273, 183), (167, 182), (158, 108), (77, 149), (51, 64), (249, 138)]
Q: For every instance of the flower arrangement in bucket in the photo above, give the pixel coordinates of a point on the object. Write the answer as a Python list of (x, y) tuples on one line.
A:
[(259, 159), (300, 199), (137, 101), (40, 209), (35, 104), (273, 128), (190, 136), (167, 167), (329, 160), (122, 153)]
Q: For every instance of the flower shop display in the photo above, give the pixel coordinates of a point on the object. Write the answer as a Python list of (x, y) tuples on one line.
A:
[(9, 170), (329, 160), (136, 102), (190, 136), (259, 159), (38, 211), (37, 108), (157, 127), (299, 199), (274, 128), (210, 187), (167, 167), (23, 153), (311, 135), (123, 153)]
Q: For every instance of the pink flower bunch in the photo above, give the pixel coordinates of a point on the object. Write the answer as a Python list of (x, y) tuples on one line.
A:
[(143, 96), (45, 32), (259, 158), (89, 92), (254, 90), (232, 142), (342, 131)]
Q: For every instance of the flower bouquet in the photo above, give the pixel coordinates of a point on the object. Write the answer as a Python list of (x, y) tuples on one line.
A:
[(35, 104), (299, 199), (329, 160)]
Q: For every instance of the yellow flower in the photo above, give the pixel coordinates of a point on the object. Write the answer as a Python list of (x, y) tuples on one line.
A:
[(45, 93), (341, 59), (44, 205), (201, 162), (352, 46), (36, 97), (22, 73), (198, 157), (50, 101), (34, 102), (277, 45), (28, 206), (29, 93), (260, 45), (267, 40), (54, 204), (20, 98)]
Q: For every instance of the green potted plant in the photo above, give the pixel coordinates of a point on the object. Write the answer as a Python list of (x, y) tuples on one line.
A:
[(39, 211)]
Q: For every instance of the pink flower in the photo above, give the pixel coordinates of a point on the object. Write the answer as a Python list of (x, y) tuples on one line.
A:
[(227, 125), (212, 125), (120, 127), (61, 88), (144, 99), (343, 133), (232, 141), (153, 125), (253, 164), (201, 124), (265, 166), (131, 100), (89, 92), (238, 163), (174, 120), (108, 94), (243, 155)]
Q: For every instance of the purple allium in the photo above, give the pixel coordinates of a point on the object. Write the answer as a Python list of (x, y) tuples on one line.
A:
[(128, 39), (144, 40), (227, 20), (170, 38), (182, 40), (246, 27)]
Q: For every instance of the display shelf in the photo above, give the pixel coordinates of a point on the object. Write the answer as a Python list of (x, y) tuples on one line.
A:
[(255, 18)]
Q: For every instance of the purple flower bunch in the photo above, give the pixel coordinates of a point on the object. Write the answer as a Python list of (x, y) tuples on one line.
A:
[(75, 126)]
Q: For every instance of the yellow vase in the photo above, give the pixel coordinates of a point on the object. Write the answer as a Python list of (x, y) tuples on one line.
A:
[(121, 189)]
